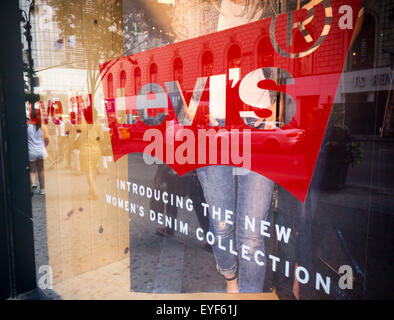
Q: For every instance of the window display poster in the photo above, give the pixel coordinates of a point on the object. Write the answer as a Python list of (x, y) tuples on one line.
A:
[(242, 170)]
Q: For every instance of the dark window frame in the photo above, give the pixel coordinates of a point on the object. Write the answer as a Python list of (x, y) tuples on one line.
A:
[(16, 225)]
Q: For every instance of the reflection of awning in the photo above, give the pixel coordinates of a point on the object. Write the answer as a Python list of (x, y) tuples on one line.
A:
[(368, 80)]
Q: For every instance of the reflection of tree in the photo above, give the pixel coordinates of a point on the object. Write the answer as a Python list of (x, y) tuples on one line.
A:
[(147, 25), (98, 30), (103, 28), (29, 96)]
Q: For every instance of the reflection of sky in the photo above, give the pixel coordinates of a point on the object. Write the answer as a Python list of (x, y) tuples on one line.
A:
[(70, 82), (63, 79)]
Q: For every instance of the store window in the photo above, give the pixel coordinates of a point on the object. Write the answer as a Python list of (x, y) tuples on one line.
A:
[(123, 79), (153, 73), (110, 84), (137, 80), (207, 63), (274, 179), (234, 56), (364, 48), (265, 55), (178, 70)]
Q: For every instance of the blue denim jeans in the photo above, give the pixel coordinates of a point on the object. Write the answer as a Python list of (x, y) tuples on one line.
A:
[(245, 195)]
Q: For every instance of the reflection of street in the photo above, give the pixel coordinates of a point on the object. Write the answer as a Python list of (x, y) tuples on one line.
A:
[(82, 234)]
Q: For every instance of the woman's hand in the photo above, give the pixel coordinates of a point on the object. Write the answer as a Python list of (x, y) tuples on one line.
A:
[(270, 121), (213, 121), (258, 122)]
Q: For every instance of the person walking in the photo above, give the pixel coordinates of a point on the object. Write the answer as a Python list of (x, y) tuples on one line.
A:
[(37, 141)]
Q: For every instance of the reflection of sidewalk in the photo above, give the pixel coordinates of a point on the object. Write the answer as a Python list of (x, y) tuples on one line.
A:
[(40, 238), (112, 282), (73, 234), (86, 237), (364, 217)]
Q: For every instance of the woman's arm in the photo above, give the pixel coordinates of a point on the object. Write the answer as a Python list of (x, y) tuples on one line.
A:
[(45, 134)]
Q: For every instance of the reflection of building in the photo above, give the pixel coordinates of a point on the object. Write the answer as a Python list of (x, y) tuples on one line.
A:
[(206, 56), (362, 92), (369, 73), (363, 98)]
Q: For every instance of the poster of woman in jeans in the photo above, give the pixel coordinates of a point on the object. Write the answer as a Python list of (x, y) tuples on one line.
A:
[(246, 194), (227, 189), (234, 200)]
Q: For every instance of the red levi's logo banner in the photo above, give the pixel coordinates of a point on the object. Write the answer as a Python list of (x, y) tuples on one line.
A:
[(257, 96)]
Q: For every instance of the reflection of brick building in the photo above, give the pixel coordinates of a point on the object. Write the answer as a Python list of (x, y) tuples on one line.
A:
[(370, 50), (206, 56), (371, 60)]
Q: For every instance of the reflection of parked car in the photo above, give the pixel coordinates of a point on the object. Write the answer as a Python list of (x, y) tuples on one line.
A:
[(276, 140), (137, 131), (282, 139)]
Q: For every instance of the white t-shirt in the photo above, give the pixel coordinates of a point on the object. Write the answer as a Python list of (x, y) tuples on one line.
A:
[(35, 141)]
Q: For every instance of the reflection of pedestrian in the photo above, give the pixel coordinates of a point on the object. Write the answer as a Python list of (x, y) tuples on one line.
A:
[(88, 138), (105, 144), (65, 142), (37, 140)]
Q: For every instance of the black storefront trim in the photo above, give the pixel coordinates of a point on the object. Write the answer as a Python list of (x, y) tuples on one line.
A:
[(17, 267)]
